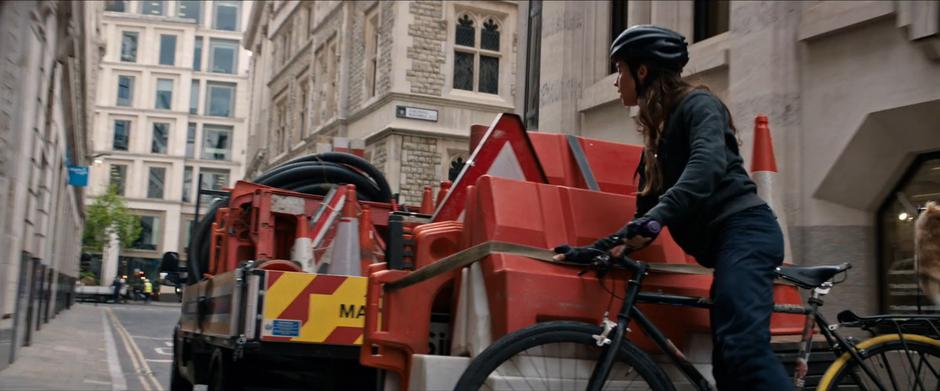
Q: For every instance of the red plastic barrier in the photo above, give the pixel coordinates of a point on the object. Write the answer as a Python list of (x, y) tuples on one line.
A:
[(613, 164), (523, 291), (406, 313)]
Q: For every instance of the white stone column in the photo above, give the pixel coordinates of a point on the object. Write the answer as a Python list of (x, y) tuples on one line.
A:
[(109, 259)]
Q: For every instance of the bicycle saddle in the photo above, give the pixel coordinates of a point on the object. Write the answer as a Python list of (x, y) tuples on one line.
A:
[(810, 277)]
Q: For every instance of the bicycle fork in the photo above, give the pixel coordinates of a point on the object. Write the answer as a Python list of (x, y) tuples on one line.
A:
[(619, 329)]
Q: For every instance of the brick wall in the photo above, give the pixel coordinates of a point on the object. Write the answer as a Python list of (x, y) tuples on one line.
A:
[(387, 22), (357, 55), (379, 155), (419, 161), (429, 32), (10, 37)]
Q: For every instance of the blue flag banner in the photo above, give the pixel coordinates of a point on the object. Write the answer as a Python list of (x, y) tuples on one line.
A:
[(78, 176)]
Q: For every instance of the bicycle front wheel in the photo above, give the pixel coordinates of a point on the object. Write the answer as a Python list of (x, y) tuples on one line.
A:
[(911, 363), (558, 356)]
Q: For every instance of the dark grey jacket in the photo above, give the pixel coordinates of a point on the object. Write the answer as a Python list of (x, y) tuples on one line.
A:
[(703, 174)]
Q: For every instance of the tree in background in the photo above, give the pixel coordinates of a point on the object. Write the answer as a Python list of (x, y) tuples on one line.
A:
[(107, 213)]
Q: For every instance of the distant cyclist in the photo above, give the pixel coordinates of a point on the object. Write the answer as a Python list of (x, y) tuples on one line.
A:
[(692, 180)]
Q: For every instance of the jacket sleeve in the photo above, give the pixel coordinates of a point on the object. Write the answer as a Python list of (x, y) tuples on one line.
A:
[(707, 123)]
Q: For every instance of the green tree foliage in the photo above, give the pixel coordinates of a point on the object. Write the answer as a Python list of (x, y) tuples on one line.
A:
[(109, 210)]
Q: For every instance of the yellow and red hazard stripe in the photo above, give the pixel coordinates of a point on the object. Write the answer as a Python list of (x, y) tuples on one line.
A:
[(313, 308)]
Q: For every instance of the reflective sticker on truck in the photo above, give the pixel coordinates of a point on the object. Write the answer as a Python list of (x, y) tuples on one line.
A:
[(325, 308)]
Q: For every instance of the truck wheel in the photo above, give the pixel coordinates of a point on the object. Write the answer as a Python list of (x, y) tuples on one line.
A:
[(177, 381), (223, 372)]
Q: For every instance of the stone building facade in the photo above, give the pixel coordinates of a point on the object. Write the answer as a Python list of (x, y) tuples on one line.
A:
[(851, 90), (396, 75), (45, 49), (170, 116)]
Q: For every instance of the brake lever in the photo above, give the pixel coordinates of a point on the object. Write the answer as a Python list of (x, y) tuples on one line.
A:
[(600, 264)]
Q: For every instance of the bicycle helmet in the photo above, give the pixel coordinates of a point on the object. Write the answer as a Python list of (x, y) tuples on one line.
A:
[(657, 47)]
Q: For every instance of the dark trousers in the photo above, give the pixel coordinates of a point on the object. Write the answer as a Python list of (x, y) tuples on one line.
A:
[(747, 247)]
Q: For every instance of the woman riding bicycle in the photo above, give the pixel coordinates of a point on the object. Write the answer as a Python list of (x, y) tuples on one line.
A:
[(692, 180)]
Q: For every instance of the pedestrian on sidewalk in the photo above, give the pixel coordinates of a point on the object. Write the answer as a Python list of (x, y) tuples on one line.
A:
[(116, 286)]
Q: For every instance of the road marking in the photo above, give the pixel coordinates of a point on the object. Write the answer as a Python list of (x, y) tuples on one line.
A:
[(117, 377), (151, 338), (137, 358), (89, 381), (164, 351), (158, 360)]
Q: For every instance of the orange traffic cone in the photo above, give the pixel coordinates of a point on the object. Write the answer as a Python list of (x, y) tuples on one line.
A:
[(764, 173), (427, 201), (442, 191)]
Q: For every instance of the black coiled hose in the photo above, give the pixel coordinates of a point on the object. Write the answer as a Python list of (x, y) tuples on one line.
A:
[(310, 174)]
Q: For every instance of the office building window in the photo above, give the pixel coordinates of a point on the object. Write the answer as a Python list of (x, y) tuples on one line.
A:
[(217, 142), (220, 99), (533, 65), (115, 6), (151, 8), (194, 97), (149, 233), (191, 140), (901, 287), (129, 46), (618, 23), (197, 54), (327, 82), (125, 93), (122, 135), (302, 107), (155, 180), (212, 179), (191, 10), (223, 55), (226, 15), (710, 18), (167, 49), (161, 133), (280, 124), (187, 184), (118, 177), (372, 50), (164, 94), (476, 61)]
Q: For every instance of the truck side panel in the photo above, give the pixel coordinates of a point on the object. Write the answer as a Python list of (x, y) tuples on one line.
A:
[(209, 306)]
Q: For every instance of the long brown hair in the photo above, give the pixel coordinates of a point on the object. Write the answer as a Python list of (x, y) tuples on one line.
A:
[(661, 97)]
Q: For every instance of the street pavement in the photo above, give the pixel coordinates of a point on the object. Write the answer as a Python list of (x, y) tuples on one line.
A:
[(98, 347)]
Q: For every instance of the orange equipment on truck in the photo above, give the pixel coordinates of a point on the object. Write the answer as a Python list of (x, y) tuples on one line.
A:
[(275, 294)]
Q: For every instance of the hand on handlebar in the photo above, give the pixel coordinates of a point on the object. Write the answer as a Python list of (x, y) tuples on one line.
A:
[(584, 255)]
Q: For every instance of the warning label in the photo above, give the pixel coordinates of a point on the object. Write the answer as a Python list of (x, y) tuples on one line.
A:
[(282, 328)]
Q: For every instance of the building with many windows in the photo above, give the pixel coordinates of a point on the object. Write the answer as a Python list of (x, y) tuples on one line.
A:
[(406, 77), (46, 50), (850, 88), (170, 114)]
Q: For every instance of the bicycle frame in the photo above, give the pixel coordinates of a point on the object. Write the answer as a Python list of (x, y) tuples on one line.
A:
[(628, 311)]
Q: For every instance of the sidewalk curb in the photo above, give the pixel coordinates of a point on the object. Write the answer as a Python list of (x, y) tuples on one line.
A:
[(118, 382)]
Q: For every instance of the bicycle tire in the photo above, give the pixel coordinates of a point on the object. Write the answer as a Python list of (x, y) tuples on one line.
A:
[(876, 352), (573, 338)]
